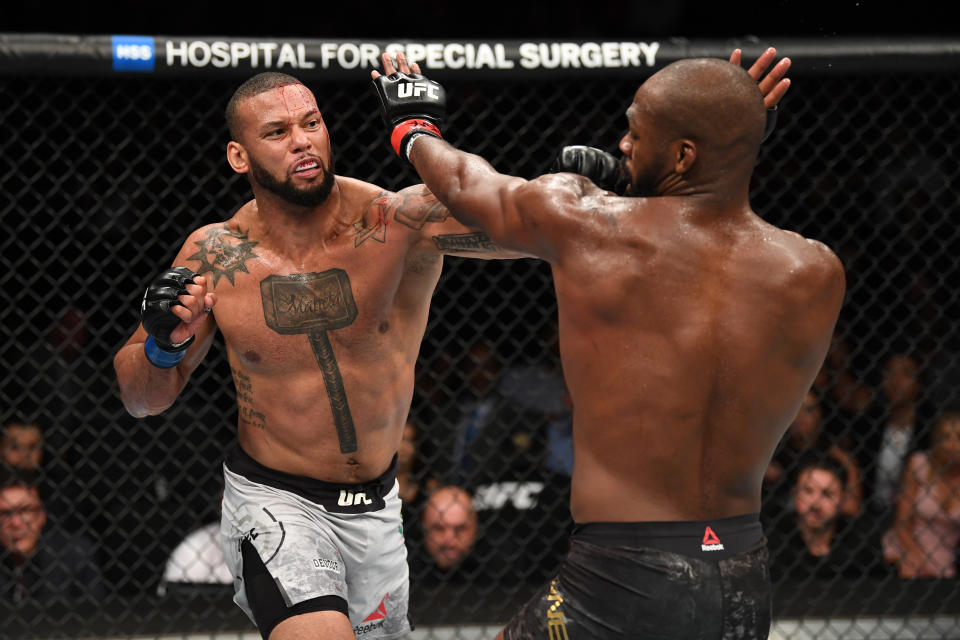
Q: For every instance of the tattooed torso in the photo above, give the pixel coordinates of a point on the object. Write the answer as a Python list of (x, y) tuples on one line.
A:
[(322, 349)]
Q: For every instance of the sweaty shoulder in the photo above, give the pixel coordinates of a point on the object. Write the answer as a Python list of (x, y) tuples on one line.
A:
[(562, 208), (817, 260), (566, 193), (815, 273)]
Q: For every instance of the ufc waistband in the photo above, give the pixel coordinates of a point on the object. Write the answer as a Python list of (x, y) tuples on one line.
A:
[(705, 539), (362, 497)]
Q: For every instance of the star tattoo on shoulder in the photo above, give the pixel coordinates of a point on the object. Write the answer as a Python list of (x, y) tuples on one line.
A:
[(376, 212), (224, 252)]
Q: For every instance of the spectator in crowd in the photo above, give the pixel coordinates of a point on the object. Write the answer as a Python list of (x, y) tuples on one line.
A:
[(558, 456), (449, 527), (413, 485), (501, 423), (879, 426), (923, 540), (445, 556), (413, 482), (40, 563), (806, 436), (818, 540), (198, 559), (21, 445), (850, 397), (478, 409), (522, 504), (945, 386), (533, 384), (899, 432)]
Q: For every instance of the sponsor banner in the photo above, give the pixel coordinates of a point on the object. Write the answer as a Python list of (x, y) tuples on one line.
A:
[(132, 53), (48, 54), (345, 58)]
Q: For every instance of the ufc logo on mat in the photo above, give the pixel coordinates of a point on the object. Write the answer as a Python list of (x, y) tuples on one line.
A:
[(349, 498), (410, 89)]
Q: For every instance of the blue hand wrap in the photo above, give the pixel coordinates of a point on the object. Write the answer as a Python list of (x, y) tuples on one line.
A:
[(160, 358)]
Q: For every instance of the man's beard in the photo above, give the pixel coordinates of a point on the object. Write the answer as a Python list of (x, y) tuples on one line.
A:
[(310, 196), (643, 186)]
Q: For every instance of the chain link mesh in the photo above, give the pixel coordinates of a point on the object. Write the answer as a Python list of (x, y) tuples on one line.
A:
[(103, 178)]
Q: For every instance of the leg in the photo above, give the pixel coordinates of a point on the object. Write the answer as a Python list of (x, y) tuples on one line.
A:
[(293, 563), (332, 625), (322, 617)]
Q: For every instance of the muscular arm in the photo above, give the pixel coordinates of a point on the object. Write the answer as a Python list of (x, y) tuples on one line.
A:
[(529, 217), (525, 216), (148, 390), (418, 208)]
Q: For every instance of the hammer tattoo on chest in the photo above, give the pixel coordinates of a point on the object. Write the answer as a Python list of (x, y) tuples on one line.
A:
[(314, 303)]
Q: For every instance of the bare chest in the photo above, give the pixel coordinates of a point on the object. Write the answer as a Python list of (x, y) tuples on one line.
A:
[(279, 317)]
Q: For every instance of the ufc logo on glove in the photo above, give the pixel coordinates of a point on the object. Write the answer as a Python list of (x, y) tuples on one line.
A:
[(411, 106), (411, 89)]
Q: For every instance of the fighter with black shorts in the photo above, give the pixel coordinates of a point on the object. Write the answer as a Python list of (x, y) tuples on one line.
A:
[(655, 579), (690, 331)]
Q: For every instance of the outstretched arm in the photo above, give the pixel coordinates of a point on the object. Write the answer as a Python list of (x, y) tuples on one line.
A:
[(477, 194), (419, 209), (516, 213)]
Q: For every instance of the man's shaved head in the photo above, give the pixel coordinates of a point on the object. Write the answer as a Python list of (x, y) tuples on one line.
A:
[(260, 83), (708, 100)]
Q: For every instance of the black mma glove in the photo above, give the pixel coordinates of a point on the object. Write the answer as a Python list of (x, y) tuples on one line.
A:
[(411, 106), (159, 321), (602, 168)]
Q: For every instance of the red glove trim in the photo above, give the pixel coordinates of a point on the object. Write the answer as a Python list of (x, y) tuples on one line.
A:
[(405, 127)]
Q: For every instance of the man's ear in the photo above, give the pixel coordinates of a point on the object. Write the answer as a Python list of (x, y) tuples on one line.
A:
[(685, 154), (237, 157)]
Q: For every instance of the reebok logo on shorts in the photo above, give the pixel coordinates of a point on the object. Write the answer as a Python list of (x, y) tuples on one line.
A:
[(381, 611), (373, 621), (710, 541)]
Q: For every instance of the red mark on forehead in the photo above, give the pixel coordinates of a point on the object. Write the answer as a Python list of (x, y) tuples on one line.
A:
[(296, 98)]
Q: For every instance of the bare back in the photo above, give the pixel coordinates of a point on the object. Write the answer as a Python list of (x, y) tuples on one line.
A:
[(688, 343)]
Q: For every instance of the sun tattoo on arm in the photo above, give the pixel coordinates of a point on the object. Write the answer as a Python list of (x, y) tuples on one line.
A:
[(223, 253)]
